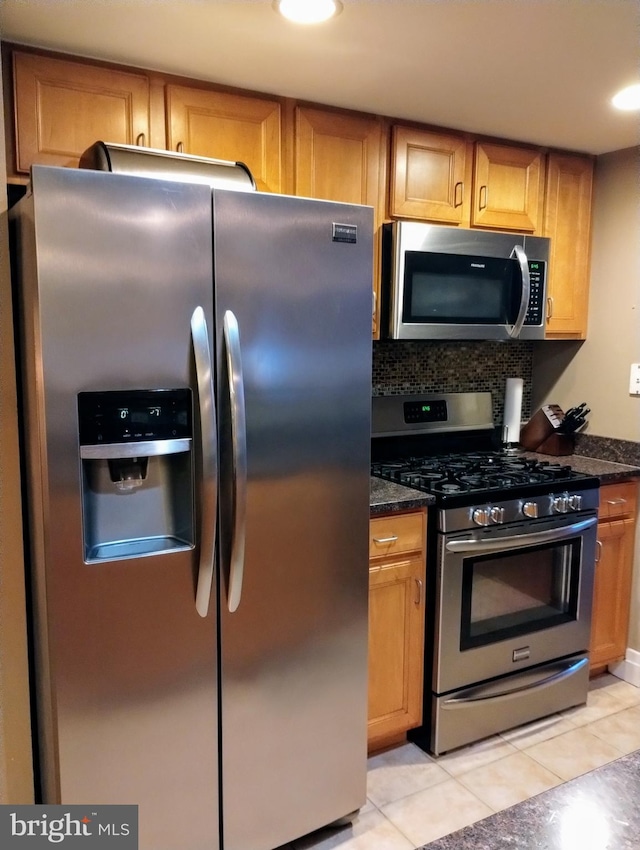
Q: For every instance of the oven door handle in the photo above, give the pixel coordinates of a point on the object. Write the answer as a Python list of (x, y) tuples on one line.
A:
[(519, 541)]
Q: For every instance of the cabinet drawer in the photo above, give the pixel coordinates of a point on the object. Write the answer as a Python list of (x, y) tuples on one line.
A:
[(396, 533), (618, 500)]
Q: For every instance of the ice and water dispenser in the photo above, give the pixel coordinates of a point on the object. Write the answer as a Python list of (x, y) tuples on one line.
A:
[(137, 473)]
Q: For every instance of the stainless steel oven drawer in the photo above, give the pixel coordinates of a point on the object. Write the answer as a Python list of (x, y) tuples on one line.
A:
[(476, 712)]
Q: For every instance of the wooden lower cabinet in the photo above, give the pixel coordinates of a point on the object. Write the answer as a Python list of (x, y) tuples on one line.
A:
[(614, 567), (396, 626)]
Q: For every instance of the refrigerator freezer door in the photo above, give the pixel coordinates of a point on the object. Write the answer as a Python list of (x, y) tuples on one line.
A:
[(294, 639), (113, 268)]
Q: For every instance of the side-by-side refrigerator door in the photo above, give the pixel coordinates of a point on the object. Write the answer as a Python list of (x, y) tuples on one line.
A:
[(293, 316), (116, 302)]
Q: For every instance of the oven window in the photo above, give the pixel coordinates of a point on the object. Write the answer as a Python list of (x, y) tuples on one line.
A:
[(514, 593)]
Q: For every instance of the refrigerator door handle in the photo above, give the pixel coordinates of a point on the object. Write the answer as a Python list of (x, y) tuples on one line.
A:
[(208, 431), (231, 333)]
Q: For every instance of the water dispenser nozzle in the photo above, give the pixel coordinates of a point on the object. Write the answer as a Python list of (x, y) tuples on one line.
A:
[(128, 473)]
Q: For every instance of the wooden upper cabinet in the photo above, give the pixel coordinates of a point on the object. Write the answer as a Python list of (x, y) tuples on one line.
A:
[(338, 158), (430, 176), (567, 221), (228, 126), (64, 107), (341, 157), (507, 188)]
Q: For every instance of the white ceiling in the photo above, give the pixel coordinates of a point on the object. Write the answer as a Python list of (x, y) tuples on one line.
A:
[(541, 71)]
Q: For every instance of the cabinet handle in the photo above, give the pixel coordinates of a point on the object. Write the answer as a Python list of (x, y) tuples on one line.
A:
[(598, 551), (619, 501), (456, 202), (549, 307), (180, 147), (484, 195), (419, 589), (140, 140), (381, 540)]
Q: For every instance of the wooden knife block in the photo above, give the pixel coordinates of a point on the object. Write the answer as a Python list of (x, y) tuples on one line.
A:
[(540, 433)]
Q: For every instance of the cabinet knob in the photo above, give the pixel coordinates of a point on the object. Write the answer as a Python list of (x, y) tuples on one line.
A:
[(382, 540), (419, 593), (483, 197), (598, 551), (180, 147), (140, 140), (458, 194)]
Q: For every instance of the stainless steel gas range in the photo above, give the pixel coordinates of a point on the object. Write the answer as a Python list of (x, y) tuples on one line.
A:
[(510, 567)]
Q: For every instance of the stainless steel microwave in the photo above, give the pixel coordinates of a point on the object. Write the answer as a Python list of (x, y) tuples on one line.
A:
[(454, 283)]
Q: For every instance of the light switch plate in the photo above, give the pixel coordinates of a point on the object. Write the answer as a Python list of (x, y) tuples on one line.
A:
[(634, 379)]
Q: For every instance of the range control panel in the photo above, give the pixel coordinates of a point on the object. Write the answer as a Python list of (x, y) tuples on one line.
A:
[(425, 411), (129, 416)]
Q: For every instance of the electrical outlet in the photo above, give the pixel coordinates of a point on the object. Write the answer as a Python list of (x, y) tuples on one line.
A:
[(634, 379)]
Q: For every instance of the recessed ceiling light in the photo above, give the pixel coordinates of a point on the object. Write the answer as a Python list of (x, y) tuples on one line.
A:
[(308, 11), (628, 98)]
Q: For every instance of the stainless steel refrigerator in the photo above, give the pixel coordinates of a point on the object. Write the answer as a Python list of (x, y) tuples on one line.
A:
[(196, 373)]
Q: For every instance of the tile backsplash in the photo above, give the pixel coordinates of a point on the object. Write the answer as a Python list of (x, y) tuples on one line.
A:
[(401, 367)]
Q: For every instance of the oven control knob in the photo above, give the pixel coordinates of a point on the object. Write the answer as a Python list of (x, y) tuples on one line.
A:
[(575, 502), (561, 504), (496, 514), (481, 516), (530, 509)]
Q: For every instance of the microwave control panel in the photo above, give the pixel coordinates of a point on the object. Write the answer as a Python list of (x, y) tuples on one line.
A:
[(537, 269)]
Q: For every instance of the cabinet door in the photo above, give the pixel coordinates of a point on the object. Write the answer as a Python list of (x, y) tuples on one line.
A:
[(568, 222), (612, 590), (507, 188), (429, 177), (64, 107), (396, 647), (340, 158), (228, 126)]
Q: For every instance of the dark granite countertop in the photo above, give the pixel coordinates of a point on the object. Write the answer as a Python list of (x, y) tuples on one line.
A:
[(598, 810), (606, 470), (387, 497)]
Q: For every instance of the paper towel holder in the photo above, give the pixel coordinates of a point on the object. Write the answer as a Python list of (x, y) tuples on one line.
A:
[(512, 416)]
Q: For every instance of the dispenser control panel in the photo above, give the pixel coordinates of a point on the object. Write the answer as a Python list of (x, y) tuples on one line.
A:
[(129, 416)]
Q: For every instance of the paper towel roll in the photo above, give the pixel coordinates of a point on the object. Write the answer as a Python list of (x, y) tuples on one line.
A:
[(512, 410)]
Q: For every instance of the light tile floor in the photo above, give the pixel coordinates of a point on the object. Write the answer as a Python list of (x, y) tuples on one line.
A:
[(414, 798)]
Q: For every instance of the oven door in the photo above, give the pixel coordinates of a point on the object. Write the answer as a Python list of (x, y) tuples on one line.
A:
[(509, 598)]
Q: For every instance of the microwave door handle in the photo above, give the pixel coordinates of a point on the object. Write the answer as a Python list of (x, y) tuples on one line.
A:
[(521, 257)]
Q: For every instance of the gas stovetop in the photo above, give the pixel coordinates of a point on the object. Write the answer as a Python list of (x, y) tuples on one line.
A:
[(479, 472)]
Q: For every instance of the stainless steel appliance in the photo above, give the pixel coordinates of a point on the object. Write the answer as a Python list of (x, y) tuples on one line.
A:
[(197, 450), (511, 555), (455, 283)]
